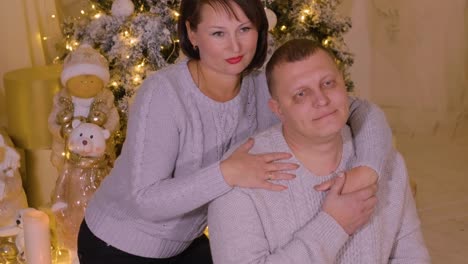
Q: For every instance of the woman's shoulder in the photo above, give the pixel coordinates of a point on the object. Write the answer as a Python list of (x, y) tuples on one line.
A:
[(169, 73), (169, 80)]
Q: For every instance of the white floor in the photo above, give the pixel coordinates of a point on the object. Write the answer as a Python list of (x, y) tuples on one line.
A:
[(440, 169)]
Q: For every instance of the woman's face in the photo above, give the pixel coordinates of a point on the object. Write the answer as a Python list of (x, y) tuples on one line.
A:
[(227, 42)]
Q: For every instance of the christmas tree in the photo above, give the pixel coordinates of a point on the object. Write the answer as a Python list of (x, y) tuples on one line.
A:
[(139, 36)]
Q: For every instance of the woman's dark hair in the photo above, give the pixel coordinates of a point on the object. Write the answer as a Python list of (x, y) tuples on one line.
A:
[(190, 10)]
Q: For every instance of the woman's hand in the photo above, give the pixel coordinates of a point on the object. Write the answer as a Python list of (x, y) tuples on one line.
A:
[(256, 170), (356, 179), (352, 210)]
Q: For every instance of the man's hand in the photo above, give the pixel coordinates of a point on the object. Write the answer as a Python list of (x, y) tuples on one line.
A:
[(356, 179), (351, 210)]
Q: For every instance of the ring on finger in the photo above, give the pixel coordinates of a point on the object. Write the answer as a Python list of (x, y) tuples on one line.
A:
[(270, 176)]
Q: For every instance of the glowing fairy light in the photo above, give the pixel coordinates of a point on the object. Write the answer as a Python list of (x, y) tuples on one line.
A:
[(140, 67), (137, 78)]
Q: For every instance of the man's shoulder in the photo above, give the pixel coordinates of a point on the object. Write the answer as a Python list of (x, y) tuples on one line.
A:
[(267, 140)]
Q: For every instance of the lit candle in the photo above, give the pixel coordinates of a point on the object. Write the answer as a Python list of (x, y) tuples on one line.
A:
[(36, 237)]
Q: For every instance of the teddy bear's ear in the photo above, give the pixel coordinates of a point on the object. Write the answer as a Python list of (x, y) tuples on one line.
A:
[(106, 133), (76, 123)]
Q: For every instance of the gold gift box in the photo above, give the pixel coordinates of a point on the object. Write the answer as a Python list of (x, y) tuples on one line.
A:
[(29, 97)]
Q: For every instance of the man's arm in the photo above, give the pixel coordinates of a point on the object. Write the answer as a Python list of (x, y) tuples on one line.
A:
[(409, 246)]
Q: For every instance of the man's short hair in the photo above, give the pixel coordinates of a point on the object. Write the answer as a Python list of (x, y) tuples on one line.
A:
[(292, 51)]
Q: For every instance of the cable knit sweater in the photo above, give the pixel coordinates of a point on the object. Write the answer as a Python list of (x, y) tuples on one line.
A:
[(259, 226), (154, 202)]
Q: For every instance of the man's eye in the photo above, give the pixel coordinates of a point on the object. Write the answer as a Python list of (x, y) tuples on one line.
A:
[(301, 94), (329, 83)]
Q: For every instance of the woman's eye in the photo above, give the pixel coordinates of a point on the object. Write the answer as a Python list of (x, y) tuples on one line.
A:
[(218, 34), (245, 29)]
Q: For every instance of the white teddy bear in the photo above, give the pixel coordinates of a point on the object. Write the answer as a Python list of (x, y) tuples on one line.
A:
[(12, 196), (17, 229), (88, 139), (9, 163), (86, 164)]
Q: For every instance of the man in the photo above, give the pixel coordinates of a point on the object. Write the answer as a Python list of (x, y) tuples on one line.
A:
[(301, 225)]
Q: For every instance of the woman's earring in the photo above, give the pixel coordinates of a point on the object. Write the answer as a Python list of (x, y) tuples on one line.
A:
[(195, 47)]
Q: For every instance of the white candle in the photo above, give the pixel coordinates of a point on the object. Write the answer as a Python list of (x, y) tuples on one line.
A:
[(36, 237)]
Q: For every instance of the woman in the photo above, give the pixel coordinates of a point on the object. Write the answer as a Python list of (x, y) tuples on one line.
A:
[(152, 207)]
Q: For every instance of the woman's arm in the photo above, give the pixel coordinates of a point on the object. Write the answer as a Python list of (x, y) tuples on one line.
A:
[(371, 133), (152, 149), (151, 152), (372, 138)]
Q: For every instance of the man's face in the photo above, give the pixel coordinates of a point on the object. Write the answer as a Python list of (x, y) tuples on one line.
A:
[(310, 97)]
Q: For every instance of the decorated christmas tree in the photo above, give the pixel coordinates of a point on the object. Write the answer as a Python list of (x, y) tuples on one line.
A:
[(139, 36)]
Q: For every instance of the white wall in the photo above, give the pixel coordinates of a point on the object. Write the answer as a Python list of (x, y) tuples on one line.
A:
[(24, 24), (411, 59)]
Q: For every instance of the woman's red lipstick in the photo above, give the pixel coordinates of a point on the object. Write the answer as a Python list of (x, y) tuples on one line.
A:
[(234, 60)]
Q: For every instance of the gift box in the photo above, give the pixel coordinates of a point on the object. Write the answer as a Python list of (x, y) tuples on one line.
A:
[(29, 94)]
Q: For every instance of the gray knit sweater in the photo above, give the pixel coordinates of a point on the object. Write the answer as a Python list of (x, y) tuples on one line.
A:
[(259, 226), (154, 202)]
